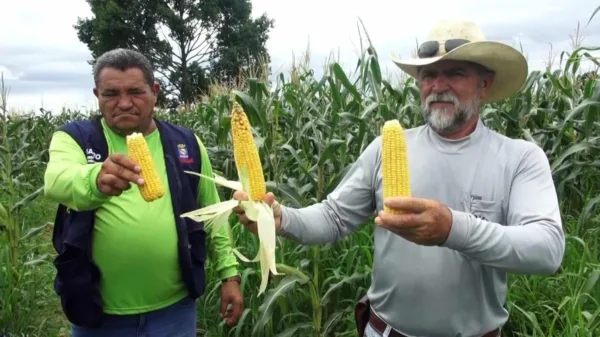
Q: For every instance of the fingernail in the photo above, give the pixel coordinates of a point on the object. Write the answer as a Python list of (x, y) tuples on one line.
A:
[(140, 181), (137, 169)]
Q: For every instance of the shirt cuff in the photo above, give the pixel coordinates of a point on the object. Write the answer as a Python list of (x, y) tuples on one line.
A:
[(459, 232), (284, 221), (228, 272), (284, 229)]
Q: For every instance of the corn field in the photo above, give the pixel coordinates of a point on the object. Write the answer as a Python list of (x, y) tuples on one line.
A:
[(309, 131)]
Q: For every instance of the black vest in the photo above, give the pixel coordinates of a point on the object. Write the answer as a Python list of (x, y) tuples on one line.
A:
[(77, 279)]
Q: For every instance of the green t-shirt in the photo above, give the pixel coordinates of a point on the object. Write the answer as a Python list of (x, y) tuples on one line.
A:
[(135, 242)]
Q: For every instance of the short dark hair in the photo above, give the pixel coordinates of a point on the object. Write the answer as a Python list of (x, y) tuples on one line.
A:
[(123, 59)]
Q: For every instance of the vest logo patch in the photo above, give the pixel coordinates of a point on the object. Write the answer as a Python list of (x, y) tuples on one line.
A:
[(92, 157), (184, 156)]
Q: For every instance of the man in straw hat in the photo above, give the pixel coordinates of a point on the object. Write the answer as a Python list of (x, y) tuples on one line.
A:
[(483, 205)]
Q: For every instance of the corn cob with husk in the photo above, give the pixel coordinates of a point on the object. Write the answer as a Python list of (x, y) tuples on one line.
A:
[(137, 148), (396, 180), (252, 182)]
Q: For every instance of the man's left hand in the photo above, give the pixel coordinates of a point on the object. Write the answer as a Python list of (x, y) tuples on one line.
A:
[(231, 294), (423, 221)]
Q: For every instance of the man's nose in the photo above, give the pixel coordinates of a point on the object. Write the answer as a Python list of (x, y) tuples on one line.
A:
[(125, 102), (439, 84)]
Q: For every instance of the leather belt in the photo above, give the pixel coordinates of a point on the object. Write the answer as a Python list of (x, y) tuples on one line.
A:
[(380, 326)]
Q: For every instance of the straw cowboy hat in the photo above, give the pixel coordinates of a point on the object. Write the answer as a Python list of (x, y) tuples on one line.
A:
[(464, 41)]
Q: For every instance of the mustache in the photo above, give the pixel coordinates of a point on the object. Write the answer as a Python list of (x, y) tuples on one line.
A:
[(442, 98), (126, 112)]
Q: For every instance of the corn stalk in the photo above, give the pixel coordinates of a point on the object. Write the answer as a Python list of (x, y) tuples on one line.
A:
[(17, 160)]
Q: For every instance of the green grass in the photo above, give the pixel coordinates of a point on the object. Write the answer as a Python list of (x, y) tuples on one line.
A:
[(557, 109)]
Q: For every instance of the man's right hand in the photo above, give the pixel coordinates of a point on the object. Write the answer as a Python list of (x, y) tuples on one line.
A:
[(117, 174), (251, 225)]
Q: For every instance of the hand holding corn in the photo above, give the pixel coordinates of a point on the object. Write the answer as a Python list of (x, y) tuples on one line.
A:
[(119, 171), (422, 221), (116, 175), (252, 197), (250, 225)]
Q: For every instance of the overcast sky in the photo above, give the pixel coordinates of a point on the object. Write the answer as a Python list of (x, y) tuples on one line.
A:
[(44, 63)]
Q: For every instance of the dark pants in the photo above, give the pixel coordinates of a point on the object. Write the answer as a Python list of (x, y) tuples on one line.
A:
[(177, 320)]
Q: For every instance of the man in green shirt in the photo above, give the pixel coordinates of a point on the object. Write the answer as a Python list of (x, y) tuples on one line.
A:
[(135, 243)]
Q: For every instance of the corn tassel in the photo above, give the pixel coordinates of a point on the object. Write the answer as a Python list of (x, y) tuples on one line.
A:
[(396, 181), (152, 189)]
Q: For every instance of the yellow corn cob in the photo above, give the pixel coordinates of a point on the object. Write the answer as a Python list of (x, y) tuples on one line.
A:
[(246, 154), (137, 147), (396, 181)]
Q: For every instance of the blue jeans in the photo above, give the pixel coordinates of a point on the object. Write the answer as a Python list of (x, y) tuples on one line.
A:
[(177, 320)]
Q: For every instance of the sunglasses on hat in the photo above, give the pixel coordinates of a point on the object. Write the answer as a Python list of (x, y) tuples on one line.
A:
[(430, 48)]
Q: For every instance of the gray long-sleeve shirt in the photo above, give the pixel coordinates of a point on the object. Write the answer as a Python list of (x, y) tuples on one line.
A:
[(506, 218)]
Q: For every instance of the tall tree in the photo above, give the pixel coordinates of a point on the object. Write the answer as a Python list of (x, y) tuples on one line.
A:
[(190, 42), (125, 24), (241, 43)]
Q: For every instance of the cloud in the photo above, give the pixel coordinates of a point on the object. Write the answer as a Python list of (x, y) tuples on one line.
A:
[(20, 57), (395, 28), (33, 74), (43, 61)]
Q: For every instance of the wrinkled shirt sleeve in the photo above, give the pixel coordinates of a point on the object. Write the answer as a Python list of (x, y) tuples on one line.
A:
[(220, 248), (69, 180)]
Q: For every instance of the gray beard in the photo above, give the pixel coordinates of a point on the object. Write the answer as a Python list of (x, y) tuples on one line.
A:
[(440, 120)]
